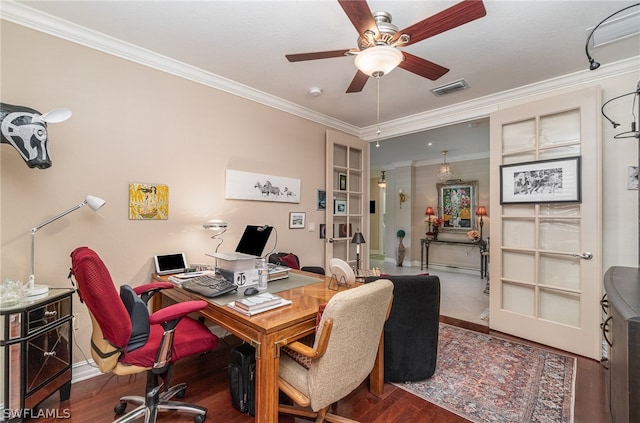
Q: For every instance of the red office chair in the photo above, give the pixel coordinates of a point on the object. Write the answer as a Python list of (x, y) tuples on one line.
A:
[(127, 340)]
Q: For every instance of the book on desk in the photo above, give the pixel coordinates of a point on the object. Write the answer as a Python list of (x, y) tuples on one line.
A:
[(258, 303)]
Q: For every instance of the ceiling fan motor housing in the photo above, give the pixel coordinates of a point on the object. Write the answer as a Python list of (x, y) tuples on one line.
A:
[(385, 28)]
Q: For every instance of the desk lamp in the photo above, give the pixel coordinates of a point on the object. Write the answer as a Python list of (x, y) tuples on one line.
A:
[(481, 211), (357, 239), (94, 204), (220, 227)]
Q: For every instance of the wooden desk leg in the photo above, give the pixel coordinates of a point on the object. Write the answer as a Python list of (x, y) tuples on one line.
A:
[(376, 378), (267, 364)]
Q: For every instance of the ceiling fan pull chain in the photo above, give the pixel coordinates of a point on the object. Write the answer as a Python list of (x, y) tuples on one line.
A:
[(378, 111)]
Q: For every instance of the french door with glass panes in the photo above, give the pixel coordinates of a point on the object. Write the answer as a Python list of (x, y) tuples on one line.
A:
[(347, 186), (546, 261)]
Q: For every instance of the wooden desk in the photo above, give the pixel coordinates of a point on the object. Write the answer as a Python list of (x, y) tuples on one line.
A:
[(424, 252), (270, 330)]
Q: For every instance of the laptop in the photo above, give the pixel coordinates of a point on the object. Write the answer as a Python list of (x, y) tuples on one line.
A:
[(250, 246), (167, 264)]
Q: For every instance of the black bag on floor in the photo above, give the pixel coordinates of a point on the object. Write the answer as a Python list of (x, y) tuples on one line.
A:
[(242, 378)]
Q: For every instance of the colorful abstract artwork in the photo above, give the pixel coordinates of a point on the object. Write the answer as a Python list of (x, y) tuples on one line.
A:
[(148, 201)]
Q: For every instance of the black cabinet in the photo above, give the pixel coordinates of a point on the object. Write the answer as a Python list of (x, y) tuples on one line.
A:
[(36, 352), (622, 285)]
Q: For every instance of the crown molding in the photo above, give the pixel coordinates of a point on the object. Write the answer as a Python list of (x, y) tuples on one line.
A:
[(461, 158), (484, 106), (25, 16)]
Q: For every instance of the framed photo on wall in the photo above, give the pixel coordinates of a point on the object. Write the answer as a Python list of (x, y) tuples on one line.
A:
[(457, 202), (342, 181), (321, 201), (296, 220), (542, 181), (148, 201), (339, 207)]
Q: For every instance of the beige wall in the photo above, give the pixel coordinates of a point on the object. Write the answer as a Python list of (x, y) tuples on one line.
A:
[(131, 123)]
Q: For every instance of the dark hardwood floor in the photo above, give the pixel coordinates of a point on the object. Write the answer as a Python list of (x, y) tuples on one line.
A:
[(93, 400)]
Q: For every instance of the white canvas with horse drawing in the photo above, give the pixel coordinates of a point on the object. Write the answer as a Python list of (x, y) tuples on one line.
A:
[(258, 187)]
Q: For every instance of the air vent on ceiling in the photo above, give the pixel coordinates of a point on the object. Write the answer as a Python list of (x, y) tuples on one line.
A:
[(449, 88)]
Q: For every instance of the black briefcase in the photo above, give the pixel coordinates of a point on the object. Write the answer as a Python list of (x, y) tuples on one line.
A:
[(242, 378)]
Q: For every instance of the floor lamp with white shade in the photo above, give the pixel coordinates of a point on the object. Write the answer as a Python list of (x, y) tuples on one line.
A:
[(94, 204)]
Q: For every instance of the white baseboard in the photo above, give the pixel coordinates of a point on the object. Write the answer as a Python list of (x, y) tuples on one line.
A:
[(84, 370)]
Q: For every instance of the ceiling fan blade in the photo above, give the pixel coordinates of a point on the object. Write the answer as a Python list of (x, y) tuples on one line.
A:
[(422, 67), (317, 55), (358, 82), (458, 14), (360, 16)]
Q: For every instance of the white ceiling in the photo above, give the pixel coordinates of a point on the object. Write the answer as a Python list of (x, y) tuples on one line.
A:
[(516, 44)]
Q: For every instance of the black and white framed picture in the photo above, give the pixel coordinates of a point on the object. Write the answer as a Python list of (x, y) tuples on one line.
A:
[(242, 185), (542, 181), (296, 220)]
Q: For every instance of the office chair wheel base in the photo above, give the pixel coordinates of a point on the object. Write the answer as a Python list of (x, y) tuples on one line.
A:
[(181, 393), (199, 419), (119, 409)]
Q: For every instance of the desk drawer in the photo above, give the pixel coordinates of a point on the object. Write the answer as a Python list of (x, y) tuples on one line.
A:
[(48, 314)]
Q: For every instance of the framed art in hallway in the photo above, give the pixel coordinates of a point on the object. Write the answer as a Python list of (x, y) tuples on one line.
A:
[(457, 201)]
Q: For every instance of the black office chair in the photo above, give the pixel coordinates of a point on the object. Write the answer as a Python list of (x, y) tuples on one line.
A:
[(292, 261)]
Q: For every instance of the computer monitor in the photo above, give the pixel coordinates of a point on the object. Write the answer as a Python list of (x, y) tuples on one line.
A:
[(254, 239)]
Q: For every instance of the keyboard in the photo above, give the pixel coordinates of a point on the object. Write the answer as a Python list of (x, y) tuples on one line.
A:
[(209, 285)]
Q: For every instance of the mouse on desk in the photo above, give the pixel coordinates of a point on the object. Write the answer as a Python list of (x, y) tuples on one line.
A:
[(251, 291)]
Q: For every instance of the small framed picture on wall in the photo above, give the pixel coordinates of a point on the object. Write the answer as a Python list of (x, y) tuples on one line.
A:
[(342, 181), (296, 220)]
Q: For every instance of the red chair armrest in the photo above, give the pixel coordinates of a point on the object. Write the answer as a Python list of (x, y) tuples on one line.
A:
[(154, 286), (176, 311), (148, 290)]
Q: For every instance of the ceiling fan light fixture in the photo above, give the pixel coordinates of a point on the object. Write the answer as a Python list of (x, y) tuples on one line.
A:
[(378, 60)]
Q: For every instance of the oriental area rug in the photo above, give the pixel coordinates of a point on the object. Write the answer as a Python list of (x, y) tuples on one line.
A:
[(484, 378)]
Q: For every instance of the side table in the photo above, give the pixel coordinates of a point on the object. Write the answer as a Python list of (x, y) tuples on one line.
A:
[(36, 351), (424, 252)]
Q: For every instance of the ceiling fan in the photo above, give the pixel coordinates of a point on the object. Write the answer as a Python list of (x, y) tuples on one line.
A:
[(377, 35)]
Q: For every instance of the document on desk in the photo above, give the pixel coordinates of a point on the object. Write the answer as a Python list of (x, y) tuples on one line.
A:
[(284, 302)]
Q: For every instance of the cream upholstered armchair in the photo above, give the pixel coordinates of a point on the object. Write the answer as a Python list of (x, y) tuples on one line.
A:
[(343, 353)]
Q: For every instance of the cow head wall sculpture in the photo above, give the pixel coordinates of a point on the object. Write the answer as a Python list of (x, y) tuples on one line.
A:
[(26, 130)]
